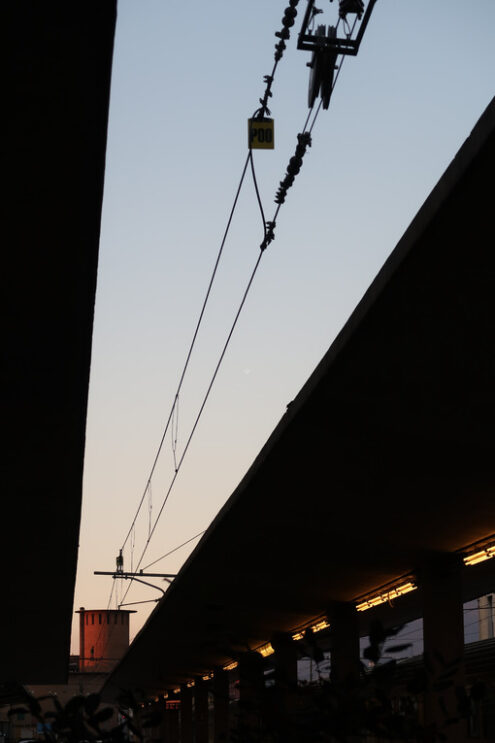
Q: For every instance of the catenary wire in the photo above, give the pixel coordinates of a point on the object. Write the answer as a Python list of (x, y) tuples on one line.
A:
[(175, 549), (191, 347), (198, 416), (267, 234), (268, 79)]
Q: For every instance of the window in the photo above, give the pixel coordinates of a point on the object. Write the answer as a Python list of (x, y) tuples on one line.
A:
[(99, 618)]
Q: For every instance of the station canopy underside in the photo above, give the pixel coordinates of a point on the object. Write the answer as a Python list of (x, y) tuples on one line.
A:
[(383, 460)]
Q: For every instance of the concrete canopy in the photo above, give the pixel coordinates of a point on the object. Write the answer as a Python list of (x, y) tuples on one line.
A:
[(58, 58), (383, 460)]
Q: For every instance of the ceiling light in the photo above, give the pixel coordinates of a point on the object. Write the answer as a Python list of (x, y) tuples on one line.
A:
[(386, 596), (479, 556), (266, 650)]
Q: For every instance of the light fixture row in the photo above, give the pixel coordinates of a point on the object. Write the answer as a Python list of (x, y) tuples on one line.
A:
[(386, 596), (476, 556)]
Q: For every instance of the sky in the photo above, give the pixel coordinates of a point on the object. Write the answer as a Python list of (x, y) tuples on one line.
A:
[(186, 77)]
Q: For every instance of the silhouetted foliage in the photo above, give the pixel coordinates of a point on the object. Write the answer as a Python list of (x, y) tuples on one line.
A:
[(82, 719), (366, 706)]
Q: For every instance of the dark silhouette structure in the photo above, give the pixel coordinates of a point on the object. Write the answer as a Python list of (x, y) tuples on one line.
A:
[(58, 58), (381, 470)]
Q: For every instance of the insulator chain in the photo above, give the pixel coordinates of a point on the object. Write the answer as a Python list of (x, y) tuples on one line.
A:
[(294, 166), (290, 14)]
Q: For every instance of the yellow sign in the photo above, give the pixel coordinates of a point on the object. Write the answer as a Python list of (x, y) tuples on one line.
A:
[(260, 134)]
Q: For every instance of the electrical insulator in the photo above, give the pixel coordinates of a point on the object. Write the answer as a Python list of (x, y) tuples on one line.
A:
[(289, 17), (120, 562), (351, 6)]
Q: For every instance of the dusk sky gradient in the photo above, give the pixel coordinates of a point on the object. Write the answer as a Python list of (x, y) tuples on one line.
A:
[(186, 77)]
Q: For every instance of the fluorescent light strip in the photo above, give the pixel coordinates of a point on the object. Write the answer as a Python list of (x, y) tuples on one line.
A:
[(480, 556), (383, 598), (323, 624), (266, 650), (318, 627)]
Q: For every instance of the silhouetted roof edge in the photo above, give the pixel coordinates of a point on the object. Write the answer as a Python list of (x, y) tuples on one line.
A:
[(440, 193)]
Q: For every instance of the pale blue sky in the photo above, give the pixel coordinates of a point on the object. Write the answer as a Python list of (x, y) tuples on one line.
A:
[(186, 76)]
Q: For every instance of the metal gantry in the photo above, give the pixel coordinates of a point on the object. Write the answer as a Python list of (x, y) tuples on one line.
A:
[(327, 45)]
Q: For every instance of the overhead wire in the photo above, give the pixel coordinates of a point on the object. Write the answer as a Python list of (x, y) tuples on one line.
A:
[(287, 22), (284, 34), (199, 414), (191, 347), (304, 140), (175, 549)]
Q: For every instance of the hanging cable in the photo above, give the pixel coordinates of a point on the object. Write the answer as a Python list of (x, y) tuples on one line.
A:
[(267, 227), (295, 163), (175, 431), (191, 346), (198, 417), (288, 19), (150, 507), (133, 543)]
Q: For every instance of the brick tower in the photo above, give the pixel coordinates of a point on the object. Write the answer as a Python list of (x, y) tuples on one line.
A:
[(103, 638)]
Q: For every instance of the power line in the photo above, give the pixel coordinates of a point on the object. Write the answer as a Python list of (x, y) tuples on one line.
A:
[(287, 21), (304, 141), (200, 412), (191, 347), (175, 549)]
